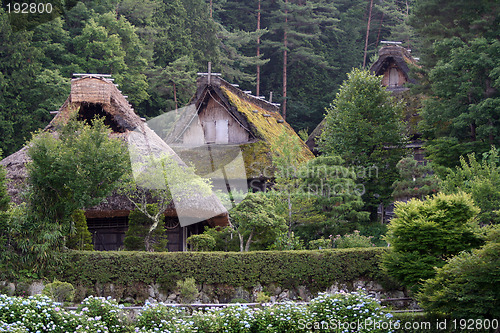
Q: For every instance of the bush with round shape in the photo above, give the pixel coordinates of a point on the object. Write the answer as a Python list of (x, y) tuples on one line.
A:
[(426, 233), (107, 310), (187, 289), (342, 312), (159, 316), (59, 291), (468, 285), (202, 242)]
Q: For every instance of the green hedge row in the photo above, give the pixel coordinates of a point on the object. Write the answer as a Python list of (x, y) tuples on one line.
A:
[(315, 269)]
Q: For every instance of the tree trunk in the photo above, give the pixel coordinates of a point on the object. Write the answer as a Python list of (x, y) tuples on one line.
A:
[(380, 29), (367, 32), (242, 249), (175, 96), (473, 132), (289, 215), (249, 241), (285, 60), (257, 88), (147, 242)]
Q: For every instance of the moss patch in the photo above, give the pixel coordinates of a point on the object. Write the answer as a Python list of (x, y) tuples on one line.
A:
[(267, 126)]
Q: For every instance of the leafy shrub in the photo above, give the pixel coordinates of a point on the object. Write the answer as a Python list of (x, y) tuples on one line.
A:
[(321, 244), (187, 289), (158, 316), (262, 297), (225, 239), (352, 240), (376, 230), (342, 242), (284, 242), (202, 242), (349, 309), (59, 291), (236, 319), (481, 179), (98, 315), (286, 317), (82, 238), (107, 310), (138, 229), (36, 313), (317, 270), (425, 233), (467, 286)]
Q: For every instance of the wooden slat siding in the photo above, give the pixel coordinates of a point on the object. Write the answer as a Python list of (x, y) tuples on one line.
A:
[(194, 134), (215, 112)]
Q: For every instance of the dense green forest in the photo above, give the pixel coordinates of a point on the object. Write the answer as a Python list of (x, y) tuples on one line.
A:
[(299, 50), (154, 48)]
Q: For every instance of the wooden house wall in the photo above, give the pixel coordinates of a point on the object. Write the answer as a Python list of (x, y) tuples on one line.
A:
[(387, 76), (194, 134), (215, 125), (219, 126)]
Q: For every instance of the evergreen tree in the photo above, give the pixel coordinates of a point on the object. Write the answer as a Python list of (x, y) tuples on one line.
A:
[(415, 180), (336, 195), (364, 127), (174, 83), (4, 196), (480, 179), (80, 237), (235, 65), (74, 171), (27, 91), (460, 71), (255, 218), (426, 233)]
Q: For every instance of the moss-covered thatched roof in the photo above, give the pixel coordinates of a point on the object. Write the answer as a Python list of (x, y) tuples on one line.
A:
[(260, 118)]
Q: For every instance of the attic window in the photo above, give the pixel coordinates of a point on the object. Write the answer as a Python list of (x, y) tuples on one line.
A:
[(89, 111)]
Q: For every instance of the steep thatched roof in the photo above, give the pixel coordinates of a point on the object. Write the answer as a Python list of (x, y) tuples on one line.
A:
[(261, 119), (314, 136), (93, 95), (397, 55)]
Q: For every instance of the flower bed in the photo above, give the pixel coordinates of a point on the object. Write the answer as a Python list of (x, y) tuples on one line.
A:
[(331, 313)]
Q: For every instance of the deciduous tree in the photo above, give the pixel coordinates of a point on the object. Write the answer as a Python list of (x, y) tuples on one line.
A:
[(255, 217), (75, 170)]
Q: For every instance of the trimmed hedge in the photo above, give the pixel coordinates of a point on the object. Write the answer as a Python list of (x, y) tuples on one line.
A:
[(316, 270)]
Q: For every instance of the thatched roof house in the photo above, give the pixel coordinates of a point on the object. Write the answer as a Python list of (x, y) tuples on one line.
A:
[(394, 65), (225, 121), (96, 95)]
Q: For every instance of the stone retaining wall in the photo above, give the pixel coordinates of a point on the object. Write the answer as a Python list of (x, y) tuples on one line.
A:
[(209, 294)]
